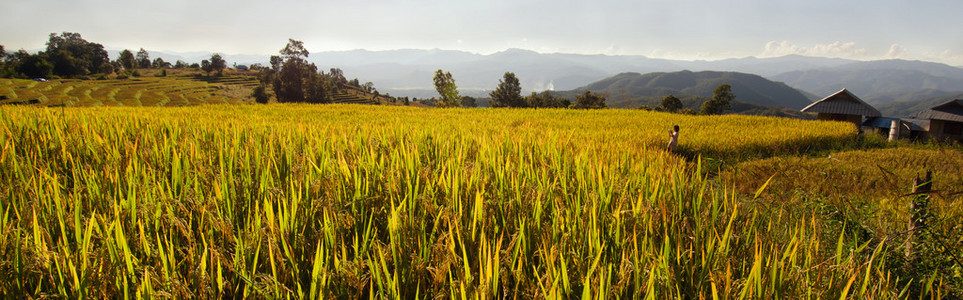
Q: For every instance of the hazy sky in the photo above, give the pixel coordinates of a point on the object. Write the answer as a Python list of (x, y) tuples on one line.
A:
[(929, 30)]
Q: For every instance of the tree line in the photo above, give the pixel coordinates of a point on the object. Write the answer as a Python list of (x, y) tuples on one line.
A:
[(293, 79), (720, 102), (508, 93), (69, 55)]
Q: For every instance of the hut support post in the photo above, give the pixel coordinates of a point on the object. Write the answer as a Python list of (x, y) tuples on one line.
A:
[(894, 130)]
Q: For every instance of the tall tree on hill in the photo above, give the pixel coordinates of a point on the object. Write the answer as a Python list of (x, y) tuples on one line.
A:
[(127, 59), (206, 67), (671, 103), (589, 100), (217, 63), (73, 56), (508, 93), (445, 85), (293, 79), (143, 59), (721, 101)]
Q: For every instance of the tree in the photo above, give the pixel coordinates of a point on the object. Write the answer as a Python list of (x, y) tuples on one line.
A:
[(508, 93), (34, 66), (127, 59), (467, 101), (180, 64), (65, 64), (589, 100), (74, 56), (671, 103), (338, 76), (143, 59), (722, 98), (206, 67), (159, 63), (217, 63), (545, 99), (293, 79), (445, 85), (295, 49)]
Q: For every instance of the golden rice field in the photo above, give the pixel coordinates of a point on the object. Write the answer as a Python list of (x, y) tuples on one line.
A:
[(137, 91), (345, 201)]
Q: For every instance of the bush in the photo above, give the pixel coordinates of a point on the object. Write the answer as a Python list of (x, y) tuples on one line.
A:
[(260, 94)]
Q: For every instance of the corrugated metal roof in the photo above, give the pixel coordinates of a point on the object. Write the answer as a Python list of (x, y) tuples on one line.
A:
[(884, 122), (881, 122), (844, 103), (949, 111)]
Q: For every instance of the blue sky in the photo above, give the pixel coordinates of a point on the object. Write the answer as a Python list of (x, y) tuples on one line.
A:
[(930, 30)]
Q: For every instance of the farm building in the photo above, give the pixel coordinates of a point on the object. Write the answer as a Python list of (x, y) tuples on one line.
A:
[(904, 128), (842, 106), (946, 120)]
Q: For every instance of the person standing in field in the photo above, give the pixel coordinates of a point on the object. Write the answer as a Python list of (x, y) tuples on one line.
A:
[(673, 138)]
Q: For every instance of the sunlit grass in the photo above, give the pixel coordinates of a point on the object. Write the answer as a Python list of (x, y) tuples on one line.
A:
[(278, 201)]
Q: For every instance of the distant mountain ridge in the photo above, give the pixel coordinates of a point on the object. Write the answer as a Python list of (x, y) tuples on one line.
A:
[(633, 89), (409, 72), (906, 108), (876, 77)]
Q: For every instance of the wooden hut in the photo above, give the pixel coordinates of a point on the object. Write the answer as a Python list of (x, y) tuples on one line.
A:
[(946, 120), (842, 106)]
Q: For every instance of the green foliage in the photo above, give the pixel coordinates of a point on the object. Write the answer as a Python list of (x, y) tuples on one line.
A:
[(445, 85), (260, 94), (79, 56), (508, 93), (217, 63), (34, 66), (467, 101), (671, 103), (294, 79), (159, 63), (721, 101), (589, 100), (127, 60), (143, 59), (207, 67), (546, 99)]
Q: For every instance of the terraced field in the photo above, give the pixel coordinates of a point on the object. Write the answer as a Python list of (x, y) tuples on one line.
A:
[(140, 91)]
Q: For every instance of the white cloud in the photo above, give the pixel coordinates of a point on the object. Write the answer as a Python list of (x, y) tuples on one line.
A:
[(896, 51), (834, 49), (947, 57)]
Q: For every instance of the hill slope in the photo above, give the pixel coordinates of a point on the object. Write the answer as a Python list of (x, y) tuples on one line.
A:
[(633, 89)]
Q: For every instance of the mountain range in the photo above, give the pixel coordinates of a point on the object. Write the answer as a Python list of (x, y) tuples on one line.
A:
[(410, 72), (635, 89)]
